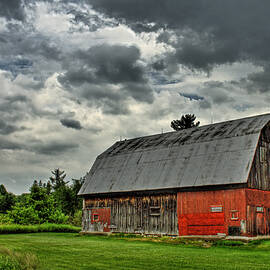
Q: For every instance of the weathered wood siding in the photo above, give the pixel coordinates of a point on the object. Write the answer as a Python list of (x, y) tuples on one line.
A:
[(258, 212), (259, 177), (136, 214)]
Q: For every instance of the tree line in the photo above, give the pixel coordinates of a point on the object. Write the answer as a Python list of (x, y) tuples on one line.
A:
[(53, 201)]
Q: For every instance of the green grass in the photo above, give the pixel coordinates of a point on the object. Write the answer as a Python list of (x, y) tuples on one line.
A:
[(46, 227), (71, 251)]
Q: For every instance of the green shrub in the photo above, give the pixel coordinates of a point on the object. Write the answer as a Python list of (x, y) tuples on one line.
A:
[(57, 217), (23, 215), (76, 220), (5, 219), (46, 227)]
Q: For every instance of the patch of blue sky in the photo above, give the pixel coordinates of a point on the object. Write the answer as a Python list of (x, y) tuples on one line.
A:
[(191, 96), (17, 66)]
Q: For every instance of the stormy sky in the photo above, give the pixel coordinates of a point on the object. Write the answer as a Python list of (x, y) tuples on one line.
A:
[(76, 76)]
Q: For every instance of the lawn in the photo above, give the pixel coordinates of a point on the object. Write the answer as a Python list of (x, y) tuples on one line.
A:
[(71, 251)]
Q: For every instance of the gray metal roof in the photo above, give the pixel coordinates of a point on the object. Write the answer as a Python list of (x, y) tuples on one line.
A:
[(214, 154)]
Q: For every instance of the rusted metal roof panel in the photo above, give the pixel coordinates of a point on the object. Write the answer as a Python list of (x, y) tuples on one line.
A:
[(215, 154)]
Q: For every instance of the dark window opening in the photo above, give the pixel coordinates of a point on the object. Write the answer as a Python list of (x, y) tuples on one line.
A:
[(95, 217), (234, 230), (154, 211)]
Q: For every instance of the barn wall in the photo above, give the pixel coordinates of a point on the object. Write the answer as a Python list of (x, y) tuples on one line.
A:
[(259, 177), (258, 212), (212, 212), (133, 214)]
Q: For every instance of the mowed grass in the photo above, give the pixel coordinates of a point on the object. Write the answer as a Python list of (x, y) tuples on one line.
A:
[(71, 251)]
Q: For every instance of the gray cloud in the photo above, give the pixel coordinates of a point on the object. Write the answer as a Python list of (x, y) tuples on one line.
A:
[(106, 64), (92, 22), (37, 146), (54, 148), (12, 9), (71, 123), (218, 92), (9, 145), (6, 128), (107, 75), (207, 33)]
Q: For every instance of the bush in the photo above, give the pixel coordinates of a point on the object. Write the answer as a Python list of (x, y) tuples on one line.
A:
[(76, 220), (5, 219), (23, 215), (57, 217), (46, 227)]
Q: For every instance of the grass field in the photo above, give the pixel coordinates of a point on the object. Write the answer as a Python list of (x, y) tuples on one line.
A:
[(71, 251)]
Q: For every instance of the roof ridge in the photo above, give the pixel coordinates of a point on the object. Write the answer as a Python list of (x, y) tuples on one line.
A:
[(199, 127)]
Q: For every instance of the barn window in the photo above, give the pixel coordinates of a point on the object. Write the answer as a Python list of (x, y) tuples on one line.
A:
[(216, 209), (154, 211), (259, 209), (95, 217), (234, 215)]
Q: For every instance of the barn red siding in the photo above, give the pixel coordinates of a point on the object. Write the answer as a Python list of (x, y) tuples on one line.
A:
[(196, 218)]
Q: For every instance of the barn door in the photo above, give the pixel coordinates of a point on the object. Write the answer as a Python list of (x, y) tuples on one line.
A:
[(201, 224), (258, 219), (100, 219)]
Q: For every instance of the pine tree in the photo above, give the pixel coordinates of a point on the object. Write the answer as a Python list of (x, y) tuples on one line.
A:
[(58, 179), (186, 121)]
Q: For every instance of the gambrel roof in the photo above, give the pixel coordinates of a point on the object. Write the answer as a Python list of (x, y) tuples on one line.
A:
[(216, 154)]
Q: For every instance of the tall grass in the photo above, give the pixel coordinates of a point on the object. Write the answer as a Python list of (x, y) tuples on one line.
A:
[(11, 260), (46, 227)]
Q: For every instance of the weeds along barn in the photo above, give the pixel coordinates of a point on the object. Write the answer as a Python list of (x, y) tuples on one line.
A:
[(198, 181)]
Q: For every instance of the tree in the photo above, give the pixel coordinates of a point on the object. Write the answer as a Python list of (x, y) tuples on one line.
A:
[(186, 121), (7, 200), (58, 179)]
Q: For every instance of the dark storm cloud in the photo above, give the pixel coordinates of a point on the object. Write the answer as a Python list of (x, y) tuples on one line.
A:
[(206, 33), (71, 123), (39, 147), (107, 75), (107, 64), (12, 9), (54, 148)]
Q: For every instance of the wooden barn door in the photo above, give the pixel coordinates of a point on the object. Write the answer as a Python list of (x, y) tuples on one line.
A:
[(258, 220)]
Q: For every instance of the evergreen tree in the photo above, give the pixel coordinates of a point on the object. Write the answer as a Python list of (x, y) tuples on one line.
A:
[(58, 179), (7, 199), (186, 121)]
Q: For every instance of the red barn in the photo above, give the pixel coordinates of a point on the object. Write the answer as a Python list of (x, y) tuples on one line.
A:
[(199, 181)]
